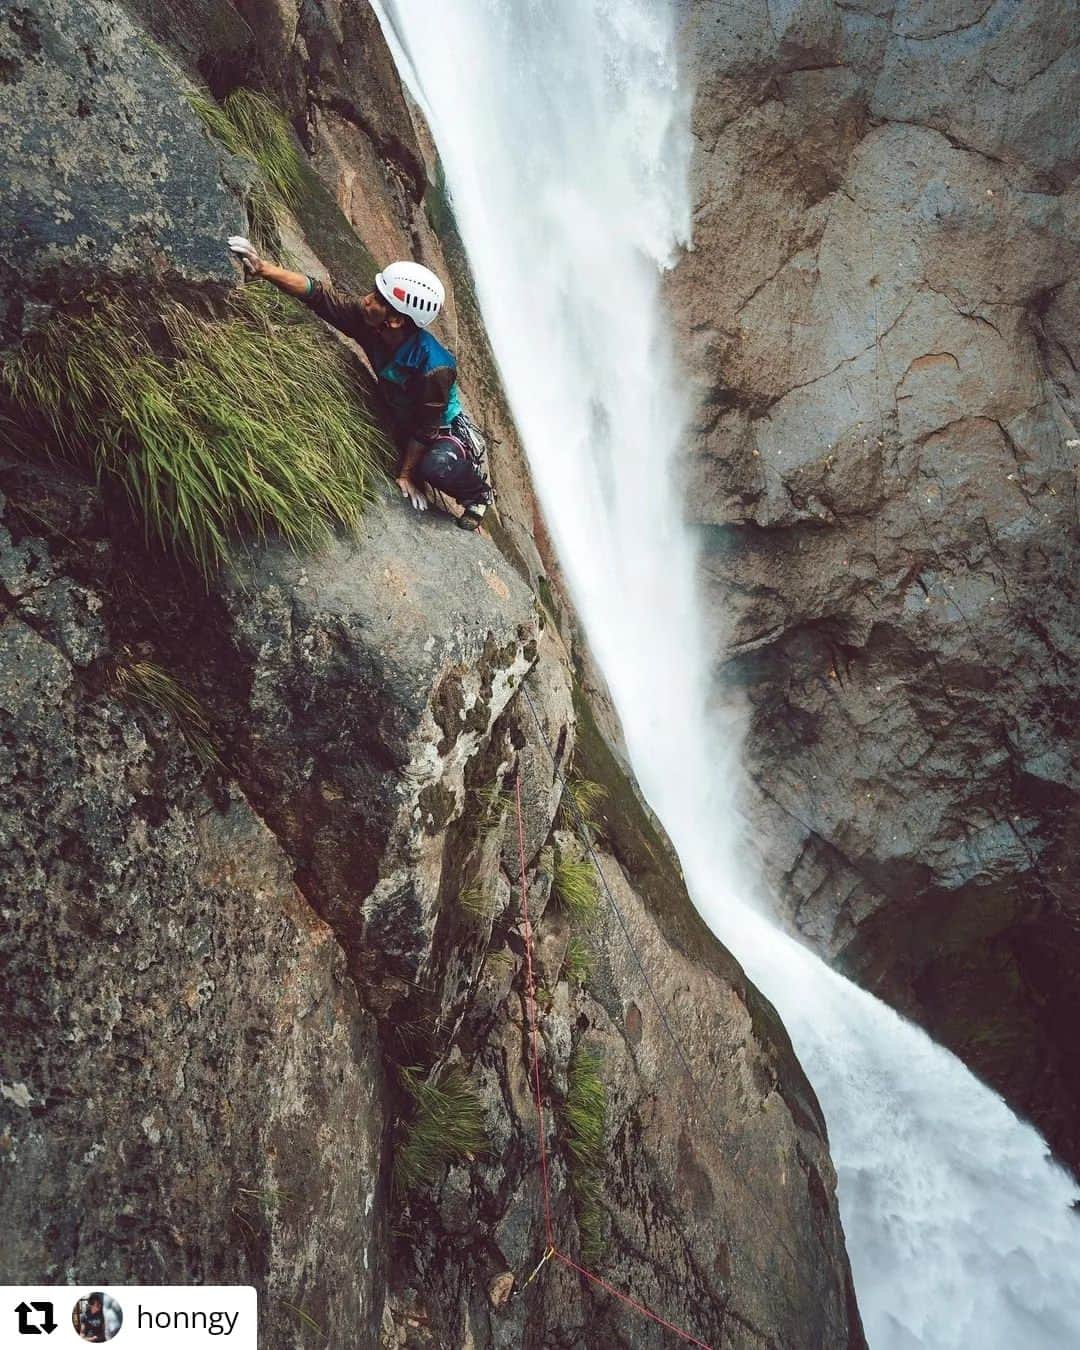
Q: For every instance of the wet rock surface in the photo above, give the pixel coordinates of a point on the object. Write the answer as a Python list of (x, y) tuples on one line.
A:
[(880, 325)]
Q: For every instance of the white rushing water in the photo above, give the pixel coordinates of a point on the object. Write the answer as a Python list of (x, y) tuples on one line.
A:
[(563, 132)]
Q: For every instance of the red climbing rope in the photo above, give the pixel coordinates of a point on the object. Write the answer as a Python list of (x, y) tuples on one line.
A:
[(641, 1308), (552, 1250)]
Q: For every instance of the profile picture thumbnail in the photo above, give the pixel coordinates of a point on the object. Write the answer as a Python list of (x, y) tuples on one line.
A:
[(97, 1317)]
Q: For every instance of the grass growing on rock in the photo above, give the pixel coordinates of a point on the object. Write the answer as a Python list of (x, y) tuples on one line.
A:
[(477, 903), (247, 123), (580, 803), (585, 1115), (146, 683), (492, 801), (499, 963), (578, 961), (304, 1317), (575, 886), (447, 1124), (213, 423), (264, 220)]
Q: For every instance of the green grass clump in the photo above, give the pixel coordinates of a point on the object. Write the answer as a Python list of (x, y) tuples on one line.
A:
[(146, 683), (214, 424), (264, 224), (499, 963), (247, 123), (580, 810), (585, 1116), (578, 961), (478, 903), (492, 801), (448, 1123), (576, 888)]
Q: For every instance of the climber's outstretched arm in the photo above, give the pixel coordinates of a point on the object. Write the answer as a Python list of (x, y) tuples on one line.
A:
[(292, 283)]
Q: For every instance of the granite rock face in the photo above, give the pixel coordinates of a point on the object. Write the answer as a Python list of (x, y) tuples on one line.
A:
[(191, 1090), (105, 165), (206, 945), (701, 1220), (880, 323), (220, 966)]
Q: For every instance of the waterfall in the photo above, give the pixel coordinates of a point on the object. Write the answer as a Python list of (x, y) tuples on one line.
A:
[(563, 131)]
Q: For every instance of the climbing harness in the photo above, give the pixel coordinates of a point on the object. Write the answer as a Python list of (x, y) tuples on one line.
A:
[(458, 471), (473, 441)]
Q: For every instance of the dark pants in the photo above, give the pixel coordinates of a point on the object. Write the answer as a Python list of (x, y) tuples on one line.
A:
[(448, 467)]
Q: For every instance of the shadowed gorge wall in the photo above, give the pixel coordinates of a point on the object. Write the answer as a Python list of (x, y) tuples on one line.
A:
[(879, 321)]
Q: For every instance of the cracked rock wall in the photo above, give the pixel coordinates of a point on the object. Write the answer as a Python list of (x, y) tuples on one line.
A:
[(879, 321)]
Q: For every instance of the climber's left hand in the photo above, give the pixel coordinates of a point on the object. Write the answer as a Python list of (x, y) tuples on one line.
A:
[(414, 494)]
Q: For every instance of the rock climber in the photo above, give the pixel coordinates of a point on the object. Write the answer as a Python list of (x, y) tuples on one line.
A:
[(438, 445)]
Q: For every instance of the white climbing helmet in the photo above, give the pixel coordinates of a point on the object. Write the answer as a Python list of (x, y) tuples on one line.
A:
[(412, 289)]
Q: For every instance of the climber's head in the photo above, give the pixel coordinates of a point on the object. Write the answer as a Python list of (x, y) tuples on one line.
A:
[(412, 291), (377, 314)]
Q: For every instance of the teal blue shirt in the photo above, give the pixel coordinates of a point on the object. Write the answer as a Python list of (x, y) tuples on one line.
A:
[(418, 380)]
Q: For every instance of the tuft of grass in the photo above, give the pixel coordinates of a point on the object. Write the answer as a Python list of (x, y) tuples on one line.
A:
[(152, 686), (247, 123), (264, 223), (498, 963), (416, 1037), (447, 1123), (576, 888), (478, 903), (492, 801), (585, 1115), (578, 962), (213, 424), (580, 811)]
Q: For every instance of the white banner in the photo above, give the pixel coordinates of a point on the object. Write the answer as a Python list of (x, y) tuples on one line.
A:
[(137, 1315)]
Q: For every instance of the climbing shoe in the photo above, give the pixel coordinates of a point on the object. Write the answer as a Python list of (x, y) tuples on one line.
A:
[(471, 518)]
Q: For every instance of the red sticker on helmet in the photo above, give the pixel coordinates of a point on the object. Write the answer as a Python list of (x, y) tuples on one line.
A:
[(399, 294)]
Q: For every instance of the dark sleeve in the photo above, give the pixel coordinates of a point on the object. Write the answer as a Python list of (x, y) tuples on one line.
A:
[(429, 393), (344, 313)]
